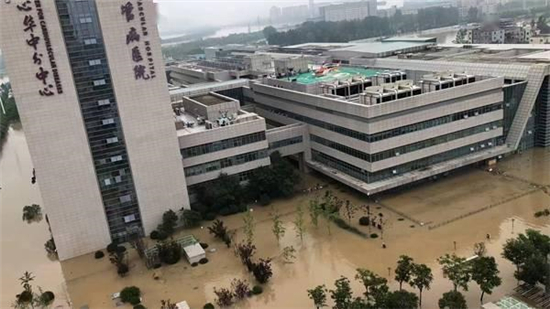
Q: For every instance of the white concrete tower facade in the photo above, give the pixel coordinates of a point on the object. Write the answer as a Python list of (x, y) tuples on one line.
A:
[(88, 78)]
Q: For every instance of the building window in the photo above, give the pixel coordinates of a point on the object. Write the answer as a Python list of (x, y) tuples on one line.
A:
[(107, 121), (112, 140), (224, 163), (104, 102), (85, 20), (90, 41), (99, 82), (222, 144), (94, 62), (107, 181), (129, 218), (125, 198), (116, 158)]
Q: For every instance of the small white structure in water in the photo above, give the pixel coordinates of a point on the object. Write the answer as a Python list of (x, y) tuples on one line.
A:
[(192, 249), (194, 253), (182, 305)]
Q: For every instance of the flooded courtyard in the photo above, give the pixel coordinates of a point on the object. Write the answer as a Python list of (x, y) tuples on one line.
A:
[(424, 222)]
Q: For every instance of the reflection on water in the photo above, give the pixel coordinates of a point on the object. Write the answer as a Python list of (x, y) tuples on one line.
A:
[(321, 258)]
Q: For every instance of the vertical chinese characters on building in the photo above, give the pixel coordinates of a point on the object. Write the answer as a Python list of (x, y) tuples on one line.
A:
[(33, 15), (137, 39)]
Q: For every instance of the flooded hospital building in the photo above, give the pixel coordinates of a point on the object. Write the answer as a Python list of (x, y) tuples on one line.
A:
[(114, 147)]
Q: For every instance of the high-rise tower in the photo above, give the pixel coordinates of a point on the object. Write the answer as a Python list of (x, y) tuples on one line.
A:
[(88, 78)]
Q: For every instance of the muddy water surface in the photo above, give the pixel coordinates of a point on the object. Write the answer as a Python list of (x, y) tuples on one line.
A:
[(22, 244), (449, 210)]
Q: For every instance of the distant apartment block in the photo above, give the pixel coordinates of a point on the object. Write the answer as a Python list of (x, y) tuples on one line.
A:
[(348, 10)]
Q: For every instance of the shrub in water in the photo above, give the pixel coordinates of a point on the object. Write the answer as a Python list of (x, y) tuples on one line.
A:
[(47, 297), (169, 252), (204, 245), (190, 218), (139, 306), (194, 264), (112, 247), (208, 306), (99, 254), (203, 261), (257, 290), (129, 294), (210, 216), (365, 221), (154, 235), (373, 235)]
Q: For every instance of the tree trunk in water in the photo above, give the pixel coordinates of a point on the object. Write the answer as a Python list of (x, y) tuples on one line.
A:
[(420, 298), (400, 285), (481, 299)]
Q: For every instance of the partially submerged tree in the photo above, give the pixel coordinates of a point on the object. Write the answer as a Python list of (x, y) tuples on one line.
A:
[(452, 300), (224, 297), (479, 249), (169, 222), (403, 270), (299, 224), (245, 251), (421, 278), (220, 231), (315, 210), (249, 226), (262, 270), (289, 254), (278, 226), (119, 259), (401, 299), (342, 294), (485, 274), (167, 304), (240, 288), (32, 213), (318, 295), (456, 270), (375, 286)]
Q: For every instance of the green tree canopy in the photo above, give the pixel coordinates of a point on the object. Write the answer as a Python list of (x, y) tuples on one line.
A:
[(455, 269), (452, 300), (485, 274), (403, 270)]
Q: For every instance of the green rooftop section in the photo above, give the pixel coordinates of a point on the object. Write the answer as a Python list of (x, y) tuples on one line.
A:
[(340, 73)]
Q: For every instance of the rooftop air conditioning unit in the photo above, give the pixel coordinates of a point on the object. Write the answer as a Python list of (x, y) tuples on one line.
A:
[(472, 148)]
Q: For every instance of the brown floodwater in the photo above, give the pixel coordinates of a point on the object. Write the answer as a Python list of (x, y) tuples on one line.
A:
[(22, 244), (460, 209)]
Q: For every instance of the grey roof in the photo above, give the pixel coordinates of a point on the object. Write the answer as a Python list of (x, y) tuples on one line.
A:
[(204, 88), (381, 47)]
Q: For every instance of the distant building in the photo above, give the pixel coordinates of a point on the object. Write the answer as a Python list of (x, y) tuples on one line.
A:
[(349, 10), (275, 14), (295, 13), (503, 32)]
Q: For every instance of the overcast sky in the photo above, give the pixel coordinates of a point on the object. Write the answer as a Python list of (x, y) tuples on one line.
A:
[(177, 15)]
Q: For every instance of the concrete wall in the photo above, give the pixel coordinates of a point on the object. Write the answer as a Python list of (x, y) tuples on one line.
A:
[(55, 134), (145, 114)]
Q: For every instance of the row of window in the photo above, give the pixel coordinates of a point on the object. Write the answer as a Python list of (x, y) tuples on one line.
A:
[(90, 70), (368, 177), (389, 133), (286, 142), (406, 148), (222, 144), (224, 163)]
